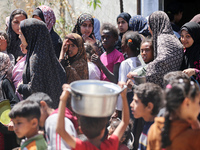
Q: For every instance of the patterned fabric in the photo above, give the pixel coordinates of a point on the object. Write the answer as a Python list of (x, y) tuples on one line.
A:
[(76, 67), (14, 46), (80, 20), (168, 51), (139, 23), (192, 54), (49, 16), (42, 72), (4, 66)]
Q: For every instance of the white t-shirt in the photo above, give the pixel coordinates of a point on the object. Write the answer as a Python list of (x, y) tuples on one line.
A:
[(54, 141), (94, 72), (125, 67)]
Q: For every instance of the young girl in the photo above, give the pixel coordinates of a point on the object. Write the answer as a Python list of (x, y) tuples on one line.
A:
[(191, 41), (85, 28), (13, 32), (110, 60), (73, 58), (174, 131)]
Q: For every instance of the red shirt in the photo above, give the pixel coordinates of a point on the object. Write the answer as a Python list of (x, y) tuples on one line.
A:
[(110, 144)]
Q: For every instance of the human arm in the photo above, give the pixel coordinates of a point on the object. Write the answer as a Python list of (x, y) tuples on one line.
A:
[(190, 71), (64, 49), (60, 127), (113, 77), (119, 131)]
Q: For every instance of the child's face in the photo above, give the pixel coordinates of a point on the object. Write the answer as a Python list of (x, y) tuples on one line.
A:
[(86, 28), (22, 127), (186, 39), (146, 52), (16, 22), (73, 49), (122, 25), (107, 39), (3, 44), (137, 107)]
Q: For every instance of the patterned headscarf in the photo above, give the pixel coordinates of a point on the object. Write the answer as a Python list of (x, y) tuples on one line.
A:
[(78, 41), (4, 64), (14, 46), (48, 16), (42, 72), (168, 51), (83, 17), (139, 23)]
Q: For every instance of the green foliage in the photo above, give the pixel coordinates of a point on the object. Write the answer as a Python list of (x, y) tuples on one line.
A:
[(95, 3)]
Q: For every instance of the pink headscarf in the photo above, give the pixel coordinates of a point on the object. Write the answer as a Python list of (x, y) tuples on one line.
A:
[(49, 16)]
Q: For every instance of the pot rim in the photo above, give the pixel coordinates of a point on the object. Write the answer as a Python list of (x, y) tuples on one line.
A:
[(96, 94)]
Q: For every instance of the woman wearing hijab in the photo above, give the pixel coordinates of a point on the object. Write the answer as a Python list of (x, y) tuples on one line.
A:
[(42, 71), (190, 39), (85, 28), (46, 14), (122, 23), (168, 51), (73, 58), (139, 23), (13, 33)]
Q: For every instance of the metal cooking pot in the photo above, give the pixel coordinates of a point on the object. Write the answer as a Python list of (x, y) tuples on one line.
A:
[(139, 79), (94, 98)]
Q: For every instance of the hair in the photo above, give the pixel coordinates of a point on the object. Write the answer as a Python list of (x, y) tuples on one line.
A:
[(27, 109), (5, 35), (148, 39), (16, 12), (150, 92), (174, 8), (171, 76), (89, 48), (40, 96), (133, 40), (111, 28), (175, 93), (91, 126)]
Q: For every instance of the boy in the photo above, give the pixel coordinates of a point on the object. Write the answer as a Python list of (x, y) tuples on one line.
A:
[(48, 120), (147, 101), (93, 128), (25, 116)]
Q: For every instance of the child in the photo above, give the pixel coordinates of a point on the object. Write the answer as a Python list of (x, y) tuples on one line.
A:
[(93, 128), (25, 116), (182, 108), (4, 42), (48, 120), (94, 72), (110, 60), (146, 104)]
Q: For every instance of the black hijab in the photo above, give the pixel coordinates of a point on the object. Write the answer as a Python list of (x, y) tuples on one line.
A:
[(192, 54), (14, 46), (42, 72)]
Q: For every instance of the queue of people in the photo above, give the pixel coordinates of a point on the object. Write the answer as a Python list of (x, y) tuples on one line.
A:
[(37, 67)]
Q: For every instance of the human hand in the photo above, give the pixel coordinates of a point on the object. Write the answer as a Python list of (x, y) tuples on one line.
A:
[(65, 46), (65, 93), (10, 126), (89, 39), (190, 71), (124, 87), (129, 83), (131, 75), (96, 59)]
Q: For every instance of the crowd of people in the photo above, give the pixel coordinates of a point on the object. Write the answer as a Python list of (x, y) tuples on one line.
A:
[(37, 67)]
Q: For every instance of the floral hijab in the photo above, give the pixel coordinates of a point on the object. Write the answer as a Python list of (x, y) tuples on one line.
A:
[(14, 46), (42, 72), (80, 20), (4, 64), (47, 15)]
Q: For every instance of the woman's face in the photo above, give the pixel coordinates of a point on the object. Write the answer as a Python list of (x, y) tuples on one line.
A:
[(73, 49), (146, 51), (186, 39), (16, 22), (122, 25), (86, 28), (23, 44)]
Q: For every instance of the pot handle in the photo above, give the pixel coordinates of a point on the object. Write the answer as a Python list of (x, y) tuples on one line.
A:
[(124, 87), (77, 95)]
